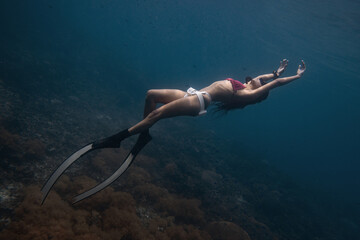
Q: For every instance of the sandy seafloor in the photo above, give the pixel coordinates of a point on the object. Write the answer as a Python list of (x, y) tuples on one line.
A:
[(182, 185)]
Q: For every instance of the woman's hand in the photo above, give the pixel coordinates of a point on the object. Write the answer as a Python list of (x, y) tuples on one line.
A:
[(282, 67), (301, 68)]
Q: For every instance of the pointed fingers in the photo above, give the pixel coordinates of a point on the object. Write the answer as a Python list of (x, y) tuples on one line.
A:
[(303, 63)]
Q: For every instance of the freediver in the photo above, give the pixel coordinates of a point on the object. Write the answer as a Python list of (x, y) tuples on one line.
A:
[(228, 94)]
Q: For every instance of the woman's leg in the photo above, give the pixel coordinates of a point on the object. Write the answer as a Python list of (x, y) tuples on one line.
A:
[(152, 98), (155, 96), (188, 106)]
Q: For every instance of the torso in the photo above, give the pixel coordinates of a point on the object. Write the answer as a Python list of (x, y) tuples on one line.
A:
[(222, 91)]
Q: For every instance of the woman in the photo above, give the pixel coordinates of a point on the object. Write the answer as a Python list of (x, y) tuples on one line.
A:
[(228, 94)]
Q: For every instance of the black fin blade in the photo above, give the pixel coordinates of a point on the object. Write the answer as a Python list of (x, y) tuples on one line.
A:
[(61, 169), (143, 139)]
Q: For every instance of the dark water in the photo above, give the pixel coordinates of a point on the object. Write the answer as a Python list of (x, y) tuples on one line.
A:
[(113, 51)]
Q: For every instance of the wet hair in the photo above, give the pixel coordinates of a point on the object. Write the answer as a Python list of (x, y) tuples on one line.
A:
[(248, 79), (224, 108)]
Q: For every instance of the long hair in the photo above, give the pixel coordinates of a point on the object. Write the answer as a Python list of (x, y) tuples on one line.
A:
[(224, 108)]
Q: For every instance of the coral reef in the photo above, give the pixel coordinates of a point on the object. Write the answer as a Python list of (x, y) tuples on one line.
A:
[(108, 215)]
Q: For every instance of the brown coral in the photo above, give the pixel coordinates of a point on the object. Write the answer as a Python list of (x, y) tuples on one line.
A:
[(107, 215)]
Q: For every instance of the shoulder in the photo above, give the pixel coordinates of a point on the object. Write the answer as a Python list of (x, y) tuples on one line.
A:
[(250, 95), (265, 88)]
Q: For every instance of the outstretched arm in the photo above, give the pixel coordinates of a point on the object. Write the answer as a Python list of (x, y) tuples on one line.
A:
[(275, 74), (280, 81), (299, 73)]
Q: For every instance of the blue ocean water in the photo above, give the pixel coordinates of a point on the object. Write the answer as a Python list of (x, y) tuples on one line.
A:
[(308, 129)]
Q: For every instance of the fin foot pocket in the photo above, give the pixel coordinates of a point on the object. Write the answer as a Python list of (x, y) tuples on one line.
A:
[(112, 141), (143, 139)]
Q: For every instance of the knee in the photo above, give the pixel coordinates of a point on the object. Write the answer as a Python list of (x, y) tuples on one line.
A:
[(150, 95)]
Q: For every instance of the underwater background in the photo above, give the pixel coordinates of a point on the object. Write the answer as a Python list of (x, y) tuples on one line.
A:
[(75, 71)]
